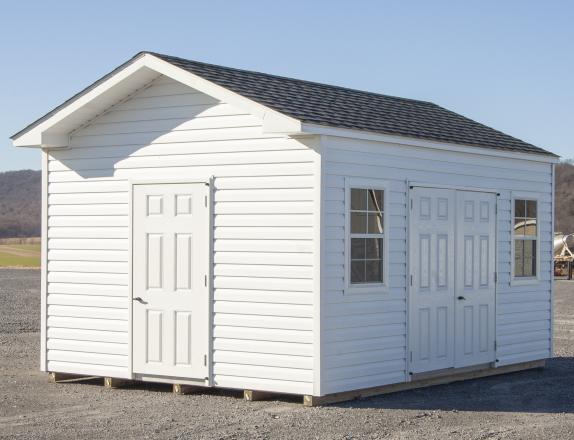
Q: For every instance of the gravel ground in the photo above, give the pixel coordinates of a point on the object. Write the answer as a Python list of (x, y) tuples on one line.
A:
[(526, 405)]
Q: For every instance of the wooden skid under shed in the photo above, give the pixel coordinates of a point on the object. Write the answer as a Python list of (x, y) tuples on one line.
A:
[(419, 381), (181, 389), (441, 378), (59, 377), (112, 382)]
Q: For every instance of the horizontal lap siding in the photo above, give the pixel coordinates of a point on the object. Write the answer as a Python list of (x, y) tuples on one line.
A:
[(363, 338), (263, 236)]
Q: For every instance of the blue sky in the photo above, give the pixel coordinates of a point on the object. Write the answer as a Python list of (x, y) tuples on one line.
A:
[(508, 64)]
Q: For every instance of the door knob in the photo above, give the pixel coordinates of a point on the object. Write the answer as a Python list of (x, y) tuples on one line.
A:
[(461, 297), (138, 299)]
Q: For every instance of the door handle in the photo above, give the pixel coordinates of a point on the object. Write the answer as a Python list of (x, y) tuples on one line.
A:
[(138, 299), (461, 297)]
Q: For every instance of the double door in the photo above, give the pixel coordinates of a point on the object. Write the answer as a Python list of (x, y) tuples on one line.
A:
[(452, 278)]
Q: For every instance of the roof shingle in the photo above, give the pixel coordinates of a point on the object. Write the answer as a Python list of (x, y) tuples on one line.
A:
[(335, 106)]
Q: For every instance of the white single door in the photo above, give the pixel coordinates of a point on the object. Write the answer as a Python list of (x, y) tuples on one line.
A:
[(431, 332), (475, 284), (170, 245)]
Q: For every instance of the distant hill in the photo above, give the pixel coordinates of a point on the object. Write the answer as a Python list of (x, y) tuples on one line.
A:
[(20, 201), (564, 198)]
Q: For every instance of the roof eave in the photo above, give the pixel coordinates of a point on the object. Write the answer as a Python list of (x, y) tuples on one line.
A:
[(426, 143)]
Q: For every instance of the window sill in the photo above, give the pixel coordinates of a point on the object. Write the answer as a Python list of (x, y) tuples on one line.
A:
[(524, 281), (366, 289)]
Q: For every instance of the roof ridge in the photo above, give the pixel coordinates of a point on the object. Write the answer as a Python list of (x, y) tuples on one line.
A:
[(315, 83)]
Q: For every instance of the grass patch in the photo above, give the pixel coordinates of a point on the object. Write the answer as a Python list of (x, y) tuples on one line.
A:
[(20, 255)]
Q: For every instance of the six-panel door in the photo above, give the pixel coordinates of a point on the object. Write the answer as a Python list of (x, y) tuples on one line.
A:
[(169, 279), (432, 279), (452, 291), (475, 290)]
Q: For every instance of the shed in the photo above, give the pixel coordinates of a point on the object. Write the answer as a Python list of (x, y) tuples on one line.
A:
[(215, 227)]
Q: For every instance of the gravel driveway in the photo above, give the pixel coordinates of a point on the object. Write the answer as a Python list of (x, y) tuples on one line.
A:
[(526, 405)]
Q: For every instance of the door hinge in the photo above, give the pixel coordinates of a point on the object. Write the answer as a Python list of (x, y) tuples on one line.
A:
[(495, 345), (205, 360), (205, 280), (411, 280), (411, 204), (495, 277), (411, 356)]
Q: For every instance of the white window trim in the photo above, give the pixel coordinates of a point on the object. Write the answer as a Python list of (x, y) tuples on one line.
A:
[(367, 287), (523, 281)]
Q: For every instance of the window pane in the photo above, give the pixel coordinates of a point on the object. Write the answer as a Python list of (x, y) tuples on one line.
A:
[(519, 258), (525, 258), (520, 208), (528, 268), (374, 271), (527, 244), (530, 258), (358, 199), (358, 222), (518, 226), (375, 224), (374, 248), (357, 248), (357, 271), (375, 200), (530, 226), (531, 208)]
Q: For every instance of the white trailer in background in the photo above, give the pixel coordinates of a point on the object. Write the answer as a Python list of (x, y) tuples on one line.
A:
[(214, 227)]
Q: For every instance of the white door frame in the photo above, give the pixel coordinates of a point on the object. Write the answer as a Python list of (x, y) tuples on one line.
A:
[(206, 181), (411, 184)]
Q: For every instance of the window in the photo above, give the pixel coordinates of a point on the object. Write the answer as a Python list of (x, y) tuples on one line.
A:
[(525, 238), (367, 235)]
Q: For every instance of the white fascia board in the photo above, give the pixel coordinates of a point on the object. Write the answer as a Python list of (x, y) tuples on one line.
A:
[(414, 142), (47, 135), (273, 121), (37, 136)]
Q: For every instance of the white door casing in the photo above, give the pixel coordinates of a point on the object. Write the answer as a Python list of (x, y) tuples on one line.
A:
[(452, 286), (475, 284), (432, 289), (170, 264)]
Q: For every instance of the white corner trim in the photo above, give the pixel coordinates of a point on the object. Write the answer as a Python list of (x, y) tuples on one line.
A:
[(414, 142), (44, 267), (319, 183), (553, 220)]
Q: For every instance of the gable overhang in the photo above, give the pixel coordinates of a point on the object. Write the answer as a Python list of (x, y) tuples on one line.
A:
[(324, 130), (52, 131)]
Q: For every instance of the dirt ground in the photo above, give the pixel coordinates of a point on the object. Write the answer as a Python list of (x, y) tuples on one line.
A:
[(526, 405)]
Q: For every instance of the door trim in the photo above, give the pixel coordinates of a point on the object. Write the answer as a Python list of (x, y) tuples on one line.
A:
[(414, 184), (209, 181), (411, 184)]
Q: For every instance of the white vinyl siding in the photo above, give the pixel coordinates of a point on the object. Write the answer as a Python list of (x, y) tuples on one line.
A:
[(363, 337), (264, 199)]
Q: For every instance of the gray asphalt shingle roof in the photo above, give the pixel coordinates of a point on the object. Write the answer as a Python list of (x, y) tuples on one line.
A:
[(335, 106)]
